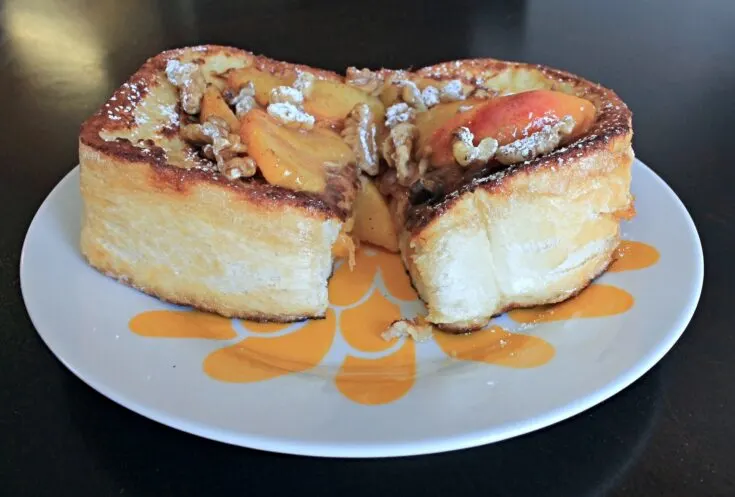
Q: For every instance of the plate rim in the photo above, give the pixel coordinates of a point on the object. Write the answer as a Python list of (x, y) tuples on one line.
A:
[(403, 449)]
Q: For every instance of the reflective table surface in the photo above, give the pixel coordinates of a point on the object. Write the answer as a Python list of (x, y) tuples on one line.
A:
[(673, 62)]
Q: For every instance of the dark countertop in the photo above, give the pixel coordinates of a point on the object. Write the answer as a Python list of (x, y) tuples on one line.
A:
[(673, 62)]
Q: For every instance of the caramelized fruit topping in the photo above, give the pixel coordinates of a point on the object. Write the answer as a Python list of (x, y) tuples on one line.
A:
[(506, 119), (373, 220), (293, 158)]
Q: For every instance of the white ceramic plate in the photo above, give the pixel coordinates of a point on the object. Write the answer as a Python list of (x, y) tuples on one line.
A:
[(85, 319)]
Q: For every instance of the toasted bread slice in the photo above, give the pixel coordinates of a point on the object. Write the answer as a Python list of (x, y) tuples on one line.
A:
[(536, 232), (158, 217)]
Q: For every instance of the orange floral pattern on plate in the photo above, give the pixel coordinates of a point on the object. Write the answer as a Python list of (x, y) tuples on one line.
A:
[(381, 372), (381, 380), (495, 345), (262, 358), (594, 301)]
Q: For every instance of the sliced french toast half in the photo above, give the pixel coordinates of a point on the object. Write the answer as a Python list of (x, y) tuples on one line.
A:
[(208, 181), (506, 181)]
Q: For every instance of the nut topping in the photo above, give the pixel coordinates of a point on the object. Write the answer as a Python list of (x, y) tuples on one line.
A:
[(397, 151), (482, 93), (286, 105), (452, 91), (191, 84), (304, 83), (539, 143), (244, 101), (431, 96), (221, 146), (366, 80), (466, 153), (418, 329), (286, 94), (412, 95), (238, 167), (360, 134), (290, 115), (399, 113)]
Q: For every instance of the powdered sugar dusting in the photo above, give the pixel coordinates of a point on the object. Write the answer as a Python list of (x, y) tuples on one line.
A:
[(430, 96), (452, 91), (289, 114), (399, 113)]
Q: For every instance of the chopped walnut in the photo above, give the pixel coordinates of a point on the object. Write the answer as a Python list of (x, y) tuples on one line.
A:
[(360, 134), (188, 78), (220, 146), (452, 91), (539, 143), (417, 329), (397, 151), (286, 94), (366, 80), (244, 101), (304, 83), (236, 144), (208, 152), (412, 95), (482, 93), (286, 106), (290, 115), (431, 96), (399, 113), (466, 153), (238, 167)]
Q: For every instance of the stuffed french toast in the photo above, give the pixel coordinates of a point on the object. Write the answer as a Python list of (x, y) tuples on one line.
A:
[(233, 183)]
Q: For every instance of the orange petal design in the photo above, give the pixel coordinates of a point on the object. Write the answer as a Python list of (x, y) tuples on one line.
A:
[(258, 359), (378, 381), (595, 301), (497, 346), (347, 287), (258, 327), (395, 277), (182, 324), (633, 255), (362, 325)]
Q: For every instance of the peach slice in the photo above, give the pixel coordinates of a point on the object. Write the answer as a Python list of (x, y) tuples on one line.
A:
[(332, 101), (444, 116), (512, 117), (263, 81), (373, 222), (292, 158), (214, 105)]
